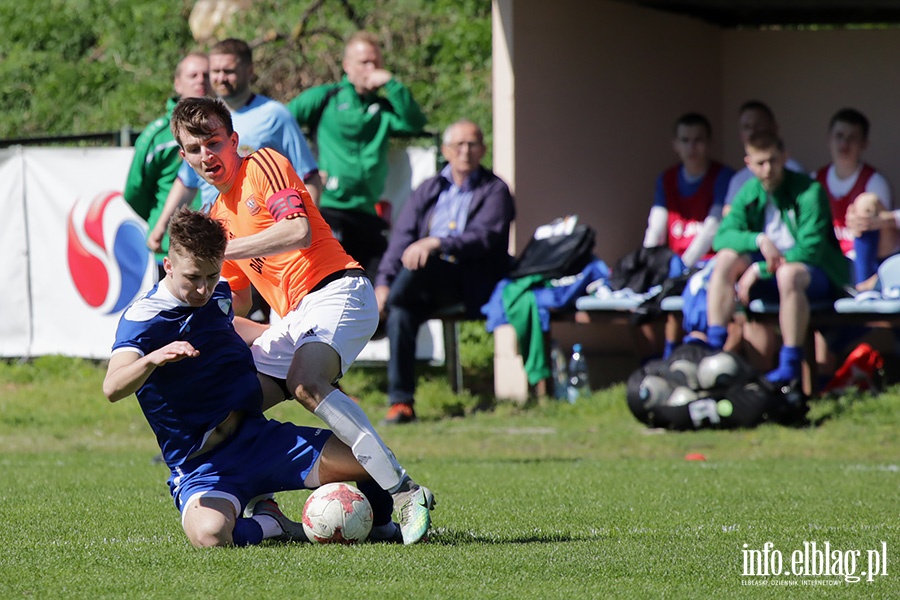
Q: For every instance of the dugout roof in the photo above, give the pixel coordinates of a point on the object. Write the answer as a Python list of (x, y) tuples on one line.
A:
[(764, 13)]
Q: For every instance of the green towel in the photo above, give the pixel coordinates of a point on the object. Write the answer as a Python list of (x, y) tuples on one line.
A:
[(522, 313)]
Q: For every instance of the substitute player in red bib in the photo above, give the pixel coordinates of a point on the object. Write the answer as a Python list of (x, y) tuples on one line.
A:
[(687, 207), (856, 186), (327, 308)]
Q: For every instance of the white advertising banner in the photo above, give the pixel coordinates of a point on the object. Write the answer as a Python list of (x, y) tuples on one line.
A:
[(408, 168), (76, 251), (89, 258), (15, 309)]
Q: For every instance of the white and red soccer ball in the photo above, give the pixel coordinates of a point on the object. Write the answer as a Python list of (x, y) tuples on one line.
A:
[(337, 513)]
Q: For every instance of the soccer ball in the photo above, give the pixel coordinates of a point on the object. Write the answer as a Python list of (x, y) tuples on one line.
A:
[(680, 396), (686, 371), (654, 390), (720, 370), (337, 513)]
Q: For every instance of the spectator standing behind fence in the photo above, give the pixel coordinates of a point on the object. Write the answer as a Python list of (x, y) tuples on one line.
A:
[(260, 121), (156, 156), (351, 123), (449, 246), (687, 209)]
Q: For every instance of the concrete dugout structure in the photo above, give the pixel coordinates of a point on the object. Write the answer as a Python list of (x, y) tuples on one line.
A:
[(585, 95)]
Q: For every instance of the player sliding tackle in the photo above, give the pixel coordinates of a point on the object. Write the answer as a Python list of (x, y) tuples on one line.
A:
[(279, 243), (194, 377)]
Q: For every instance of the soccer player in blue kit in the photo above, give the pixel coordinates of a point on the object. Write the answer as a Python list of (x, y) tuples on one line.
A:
[(177, 349)]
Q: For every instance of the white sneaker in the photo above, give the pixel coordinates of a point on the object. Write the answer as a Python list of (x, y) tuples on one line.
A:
[(413, 508)]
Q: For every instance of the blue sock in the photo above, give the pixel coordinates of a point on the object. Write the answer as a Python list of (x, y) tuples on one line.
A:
[(716, 335), (866, 247), (788, 365), (670, 346), (247, 532)]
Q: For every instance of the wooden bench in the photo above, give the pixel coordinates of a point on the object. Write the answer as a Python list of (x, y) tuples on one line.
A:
[(509, 376)]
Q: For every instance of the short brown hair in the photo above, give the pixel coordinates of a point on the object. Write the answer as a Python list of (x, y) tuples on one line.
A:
[(197, 234), (693, 119), (234, 47), (765, 140), (200, 117), (851, 116), (759, 106)]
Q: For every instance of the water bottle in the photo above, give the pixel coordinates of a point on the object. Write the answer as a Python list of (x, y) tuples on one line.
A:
[(560, 372), (579, 386)]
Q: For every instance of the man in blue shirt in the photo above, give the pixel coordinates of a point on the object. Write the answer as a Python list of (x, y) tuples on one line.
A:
[(177, 350)]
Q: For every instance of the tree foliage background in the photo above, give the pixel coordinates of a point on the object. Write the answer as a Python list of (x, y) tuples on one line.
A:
[(86, 66)]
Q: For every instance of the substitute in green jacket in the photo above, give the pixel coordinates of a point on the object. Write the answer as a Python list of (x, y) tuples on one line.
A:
[(777, 243), (351, 123), (156, 158)]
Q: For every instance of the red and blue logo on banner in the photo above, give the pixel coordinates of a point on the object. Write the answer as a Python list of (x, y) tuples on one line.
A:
[(107, 253)]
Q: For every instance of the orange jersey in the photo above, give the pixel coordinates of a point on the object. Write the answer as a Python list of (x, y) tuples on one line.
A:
[(255, 202)]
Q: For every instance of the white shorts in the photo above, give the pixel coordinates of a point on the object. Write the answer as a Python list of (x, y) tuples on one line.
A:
[(343, 314)]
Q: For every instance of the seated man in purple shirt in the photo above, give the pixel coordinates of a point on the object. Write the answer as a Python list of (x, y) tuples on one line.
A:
[(448, 246)]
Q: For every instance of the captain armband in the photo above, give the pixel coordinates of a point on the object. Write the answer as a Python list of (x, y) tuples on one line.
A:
[(286, 204)]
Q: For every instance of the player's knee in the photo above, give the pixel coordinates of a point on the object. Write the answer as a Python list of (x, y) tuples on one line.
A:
[(726, 264), (305, 395), (792, 277), (308, 389), (866, 204), (205, 537)]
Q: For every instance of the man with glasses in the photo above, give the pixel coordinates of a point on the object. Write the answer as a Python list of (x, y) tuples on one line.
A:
[(449, 246)]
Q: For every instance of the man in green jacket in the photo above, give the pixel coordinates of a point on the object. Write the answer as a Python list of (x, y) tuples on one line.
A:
[(351, 123), (156, 158), (777, 243)]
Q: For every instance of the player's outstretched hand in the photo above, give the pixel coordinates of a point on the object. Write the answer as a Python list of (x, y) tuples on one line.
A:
[(173, 353)]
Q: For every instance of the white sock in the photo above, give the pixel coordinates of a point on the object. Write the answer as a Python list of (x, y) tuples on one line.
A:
[(348, 421), (270, 526)]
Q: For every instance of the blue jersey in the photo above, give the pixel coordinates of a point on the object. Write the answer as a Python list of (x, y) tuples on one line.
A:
[(261, 123), (186, 399)]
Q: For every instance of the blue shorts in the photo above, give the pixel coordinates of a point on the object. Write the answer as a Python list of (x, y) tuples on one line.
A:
[(262, 457), (819, 285)]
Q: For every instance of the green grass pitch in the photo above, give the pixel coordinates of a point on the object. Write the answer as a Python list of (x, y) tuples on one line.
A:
[(545, 501)]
